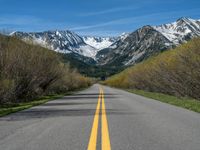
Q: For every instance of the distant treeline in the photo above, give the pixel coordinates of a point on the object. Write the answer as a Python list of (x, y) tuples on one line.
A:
[(29, 71), (175, 72), (90, 69)]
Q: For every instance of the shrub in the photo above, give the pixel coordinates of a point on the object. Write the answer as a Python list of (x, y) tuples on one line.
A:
[(175, 72), (28, 71)]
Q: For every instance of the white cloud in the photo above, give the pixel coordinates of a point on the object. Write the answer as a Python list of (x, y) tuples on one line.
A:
[(112, 10), (140, 19)]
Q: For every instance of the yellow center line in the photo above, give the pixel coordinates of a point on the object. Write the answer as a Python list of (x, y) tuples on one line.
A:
[(93, 136), (105, 139)]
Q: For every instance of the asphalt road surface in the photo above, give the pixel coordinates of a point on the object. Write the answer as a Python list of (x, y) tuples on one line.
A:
[(101, 118)]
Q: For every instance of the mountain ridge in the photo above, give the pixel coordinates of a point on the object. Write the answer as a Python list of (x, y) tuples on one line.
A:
[(65, 41), (124, 50), (138, 45)]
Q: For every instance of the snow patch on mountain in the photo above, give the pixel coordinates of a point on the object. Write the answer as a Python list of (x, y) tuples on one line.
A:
[(99, 42), (87, 50), (134, 58), (123, 36)]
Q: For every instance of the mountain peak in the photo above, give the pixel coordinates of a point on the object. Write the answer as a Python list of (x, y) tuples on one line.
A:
[(147, 27), (181, 30), (183, 19)]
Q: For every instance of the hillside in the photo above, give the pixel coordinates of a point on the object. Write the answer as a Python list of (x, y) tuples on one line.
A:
[(175, 72)]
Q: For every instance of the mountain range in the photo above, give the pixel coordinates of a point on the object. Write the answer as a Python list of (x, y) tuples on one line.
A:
[(125, 50)]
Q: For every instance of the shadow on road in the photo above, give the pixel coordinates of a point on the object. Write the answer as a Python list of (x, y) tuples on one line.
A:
[(43, 113), (68, 103), (94, 94), (89, 96), (61, 108)]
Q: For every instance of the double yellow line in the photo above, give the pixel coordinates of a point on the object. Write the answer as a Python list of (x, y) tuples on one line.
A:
[(105, 139)]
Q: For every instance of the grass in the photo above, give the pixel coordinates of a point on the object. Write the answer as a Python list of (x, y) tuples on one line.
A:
[(11, 108), (187, 103)]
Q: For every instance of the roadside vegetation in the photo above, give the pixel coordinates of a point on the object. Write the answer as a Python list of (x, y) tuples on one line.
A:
[(15, 107), (28, 72), (175, 72), (188, 103)]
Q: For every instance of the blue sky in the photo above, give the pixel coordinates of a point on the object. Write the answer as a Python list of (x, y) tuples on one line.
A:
[(93, 17)]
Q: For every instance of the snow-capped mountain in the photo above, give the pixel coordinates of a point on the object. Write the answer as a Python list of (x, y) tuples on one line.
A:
[(147, 41), (60, 41), (180, 31), (134, 47), (99, 42)]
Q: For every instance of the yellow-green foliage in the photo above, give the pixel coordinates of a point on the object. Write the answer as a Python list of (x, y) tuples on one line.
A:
[(175, 72), (28, 71)]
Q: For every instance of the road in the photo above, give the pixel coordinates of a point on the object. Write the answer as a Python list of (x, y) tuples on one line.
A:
[(101, 118)]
